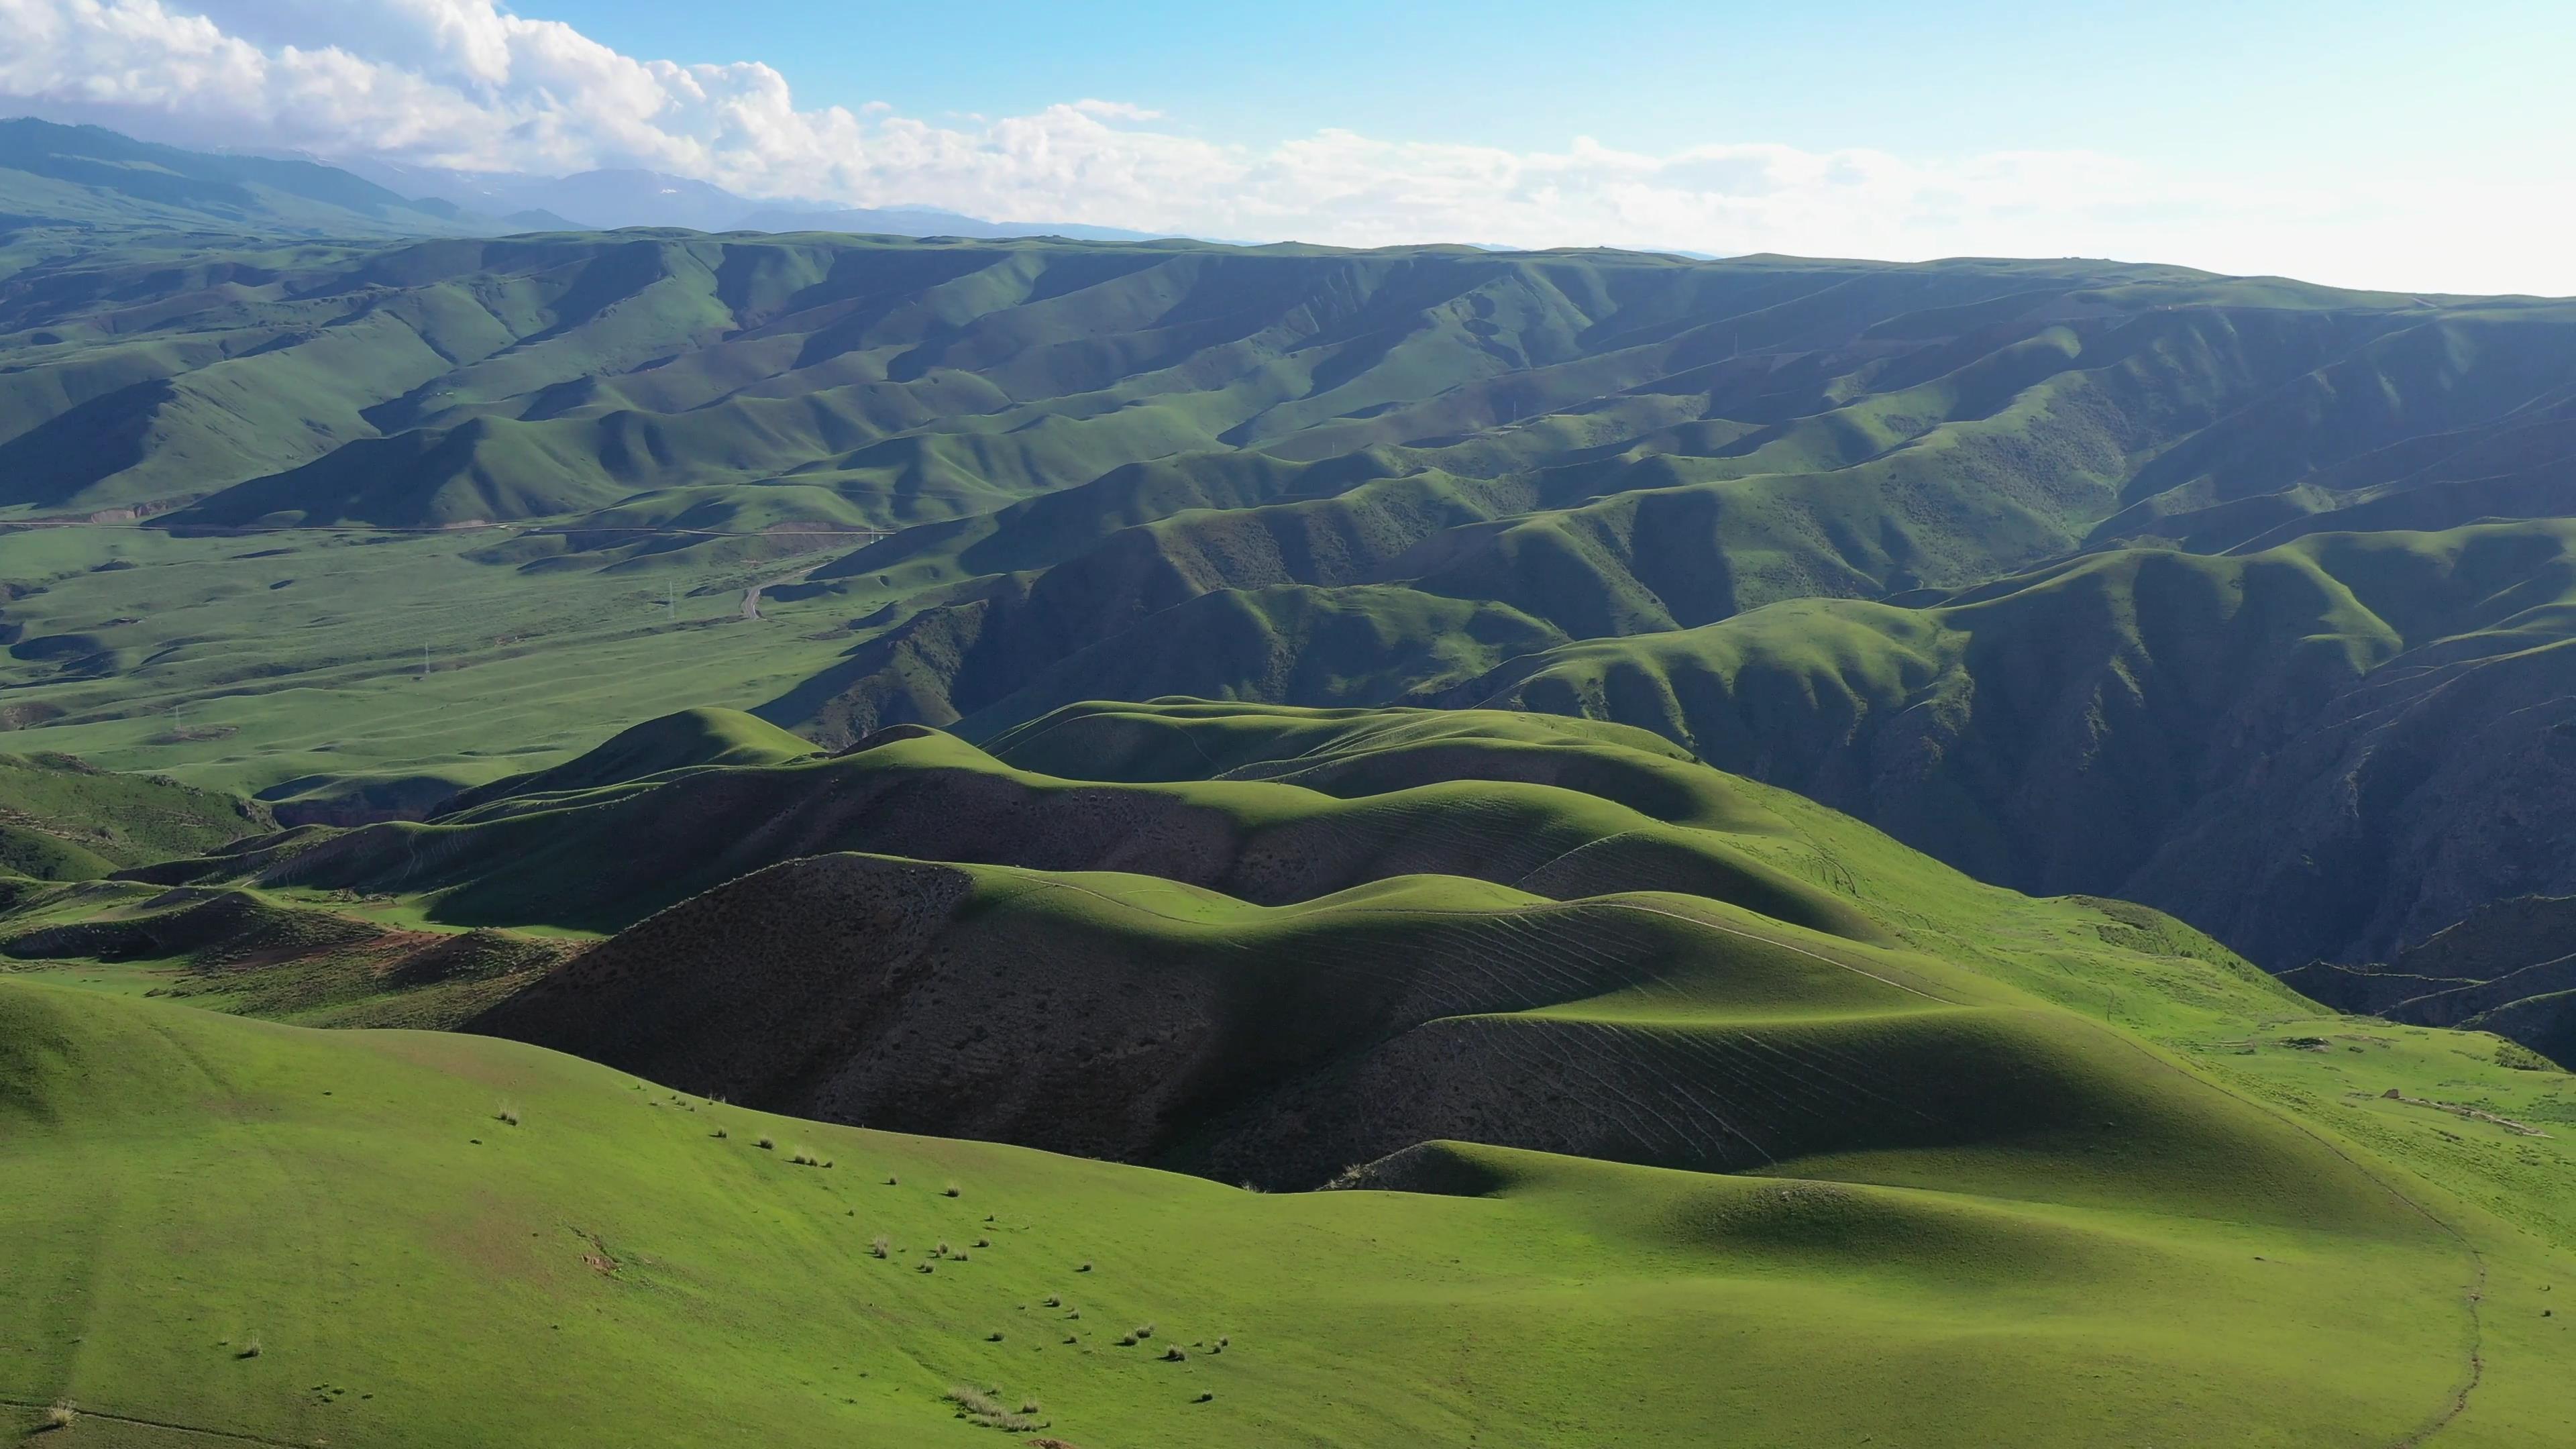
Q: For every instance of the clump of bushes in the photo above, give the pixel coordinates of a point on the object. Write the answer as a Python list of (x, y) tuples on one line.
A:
[(984, 1407), (765, 1144)]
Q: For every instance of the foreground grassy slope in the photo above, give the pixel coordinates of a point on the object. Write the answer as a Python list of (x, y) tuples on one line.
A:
[(392, 1250), (1967, 1167)]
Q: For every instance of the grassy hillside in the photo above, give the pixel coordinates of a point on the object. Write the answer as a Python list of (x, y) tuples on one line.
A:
[(62, 820), (1885, 1154), (392, 1251), (2085, 577), (2329, 748)]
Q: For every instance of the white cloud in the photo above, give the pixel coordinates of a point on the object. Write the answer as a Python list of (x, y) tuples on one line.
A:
[(466, 84)]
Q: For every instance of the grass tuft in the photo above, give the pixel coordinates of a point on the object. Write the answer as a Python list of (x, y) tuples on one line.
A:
[(62, 1415), (881, 1246), (251, 1349), (506, 1113), (952, 1190), (765, 1144)]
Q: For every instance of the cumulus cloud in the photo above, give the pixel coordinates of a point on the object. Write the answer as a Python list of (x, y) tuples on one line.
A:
[(466, 84)]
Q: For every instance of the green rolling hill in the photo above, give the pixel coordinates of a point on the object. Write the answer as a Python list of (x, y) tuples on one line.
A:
[(2083, 577), (1484, 847), (1594, 1048)]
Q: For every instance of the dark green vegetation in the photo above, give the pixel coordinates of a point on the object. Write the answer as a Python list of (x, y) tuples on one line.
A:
[(1654, 1058)]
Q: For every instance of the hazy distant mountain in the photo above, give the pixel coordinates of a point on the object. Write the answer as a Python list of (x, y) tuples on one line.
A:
[(928, 221), (89, 177), (627, 197)]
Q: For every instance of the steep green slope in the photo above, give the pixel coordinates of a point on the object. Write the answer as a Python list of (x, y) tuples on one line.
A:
[(63, 820), (2328, 748)]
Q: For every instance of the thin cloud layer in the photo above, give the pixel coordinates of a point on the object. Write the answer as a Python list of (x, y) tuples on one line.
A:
[(465, 84)]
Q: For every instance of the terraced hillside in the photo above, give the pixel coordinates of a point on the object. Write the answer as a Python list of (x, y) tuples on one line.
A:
[(1604, 1052)]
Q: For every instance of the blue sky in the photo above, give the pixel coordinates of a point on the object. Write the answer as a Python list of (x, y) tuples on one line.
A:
[(2351, 86), (2410, 147)]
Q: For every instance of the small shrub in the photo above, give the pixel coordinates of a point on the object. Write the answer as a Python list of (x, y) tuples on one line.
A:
[(1175, 1354), (983, 1242), (827, 1163), (890, 1182), (1054, 1300), (1072, 1313), (881, 1246), (993, 1337), (1126, 1340), (1085, 1268), (506, 1114), (250, 1349), (1145, 1332), (952, 1190), (721, 1134), (922, 1267), (1028, 1406), (1204, 1397), (765, 1144), (62, 1415), (942, 1250)]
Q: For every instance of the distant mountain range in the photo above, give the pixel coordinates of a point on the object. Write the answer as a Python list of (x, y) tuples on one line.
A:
[(91, 178)]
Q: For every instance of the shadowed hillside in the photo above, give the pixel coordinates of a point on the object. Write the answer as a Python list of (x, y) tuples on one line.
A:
[(2329, 748)]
